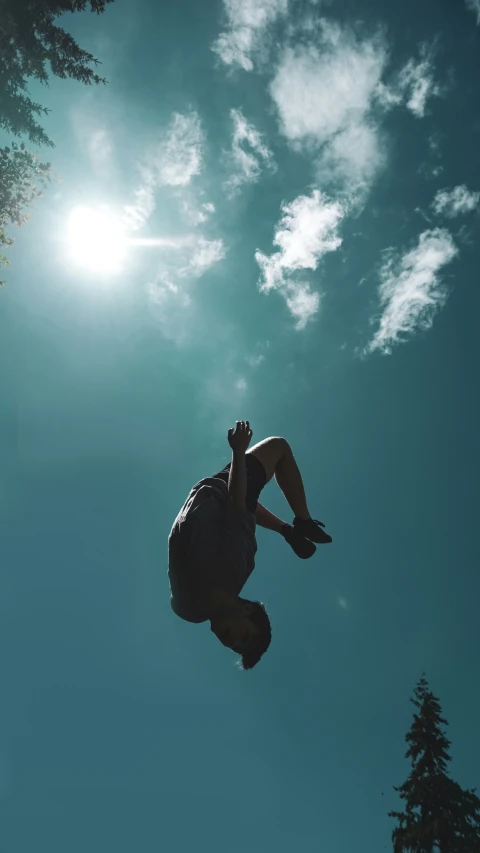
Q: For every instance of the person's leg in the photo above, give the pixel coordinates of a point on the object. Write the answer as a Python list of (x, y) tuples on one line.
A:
[(277, 458), (298, 543)]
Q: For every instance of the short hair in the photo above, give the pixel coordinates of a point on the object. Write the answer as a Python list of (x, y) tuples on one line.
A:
[(262, 640)]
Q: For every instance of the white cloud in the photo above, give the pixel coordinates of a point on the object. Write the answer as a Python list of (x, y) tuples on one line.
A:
[(453, 202), (169, 289), (241, 385), (474, 5), (430, 172), (136, 215), (247, 26), (249, 153), (411, 290), (353, 157), (255, 360), (416, 79), (174, 162), (325, 93), (302, 302), (413, 85), (94, 139), (196, 213), (184, 260), (100, 148), (180, 155), (307, 230), (207, 253)]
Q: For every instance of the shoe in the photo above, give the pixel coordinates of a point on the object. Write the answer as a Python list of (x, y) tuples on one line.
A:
[(303, 547), (312, 529)]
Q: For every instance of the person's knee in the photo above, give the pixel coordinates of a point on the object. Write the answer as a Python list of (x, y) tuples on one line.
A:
[(270, 452), (280, 443)]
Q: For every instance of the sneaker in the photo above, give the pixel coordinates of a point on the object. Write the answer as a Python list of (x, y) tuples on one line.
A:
[(303, 547), (312, 529)]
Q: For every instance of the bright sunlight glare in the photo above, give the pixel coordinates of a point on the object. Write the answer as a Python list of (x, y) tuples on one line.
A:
[(97, 239)]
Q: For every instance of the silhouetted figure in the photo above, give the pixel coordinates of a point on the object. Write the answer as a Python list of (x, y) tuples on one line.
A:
[(212, 545)]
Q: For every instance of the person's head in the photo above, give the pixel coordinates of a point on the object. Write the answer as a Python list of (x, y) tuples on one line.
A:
[(245, 629)]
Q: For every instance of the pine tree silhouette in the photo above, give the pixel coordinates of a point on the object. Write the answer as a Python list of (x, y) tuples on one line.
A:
[(439, 815), (33, 46)]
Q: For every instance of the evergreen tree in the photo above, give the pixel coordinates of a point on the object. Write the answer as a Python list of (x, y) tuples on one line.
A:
[(439, 816), (22, 177), (32, 46)]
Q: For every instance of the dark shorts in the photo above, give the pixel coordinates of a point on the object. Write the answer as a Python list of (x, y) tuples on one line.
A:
[(256, 479)]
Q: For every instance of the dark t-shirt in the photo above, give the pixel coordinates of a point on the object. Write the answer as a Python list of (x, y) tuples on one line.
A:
[(211, 544)]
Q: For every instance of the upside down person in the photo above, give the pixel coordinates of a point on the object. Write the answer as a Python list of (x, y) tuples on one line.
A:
[(212, 545)]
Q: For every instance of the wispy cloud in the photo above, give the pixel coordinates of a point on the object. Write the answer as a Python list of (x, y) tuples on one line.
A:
[(196, 212), (325, 93), (207, 253), (456, 201), (434, 168), (307, 230), (241, 384), (136, 215), (474, 5), (413, 85), (302, 302), (255, 360), (174, 161), (248, 155), (189, 258), (411, 290), (170, 288), (417, 81), (247, 26), (180, 157), (94, 138), (100, 148)]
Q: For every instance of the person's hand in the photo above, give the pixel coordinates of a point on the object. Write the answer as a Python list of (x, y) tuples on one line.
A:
[(239, 438)]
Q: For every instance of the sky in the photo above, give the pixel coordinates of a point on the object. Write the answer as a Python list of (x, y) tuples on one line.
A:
[(271, 212)]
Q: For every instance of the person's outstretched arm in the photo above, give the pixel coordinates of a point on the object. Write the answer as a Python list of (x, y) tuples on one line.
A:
[(267, 519), (238, 439)]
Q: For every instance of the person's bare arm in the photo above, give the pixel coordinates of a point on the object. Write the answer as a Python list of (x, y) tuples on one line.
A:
[(267, 519), (239, 439)]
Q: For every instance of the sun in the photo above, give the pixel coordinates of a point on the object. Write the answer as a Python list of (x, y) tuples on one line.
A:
[(97, 239)]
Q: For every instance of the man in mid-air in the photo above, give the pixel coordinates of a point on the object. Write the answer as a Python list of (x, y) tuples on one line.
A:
[(212, 545)]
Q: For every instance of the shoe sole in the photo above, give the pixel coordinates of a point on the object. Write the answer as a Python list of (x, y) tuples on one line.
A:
[(303, 556), (323, 538)]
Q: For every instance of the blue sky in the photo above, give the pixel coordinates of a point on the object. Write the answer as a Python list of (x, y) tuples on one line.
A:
[(282, 225)]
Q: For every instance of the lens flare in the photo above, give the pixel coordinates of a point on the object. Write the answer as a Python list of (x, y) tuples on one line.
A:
[(97, 240)]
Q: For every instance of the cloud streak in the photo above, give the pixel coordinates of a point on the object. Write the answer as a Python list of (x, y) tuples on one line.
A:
[(307, 230), (247, 26), (411, 289)]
